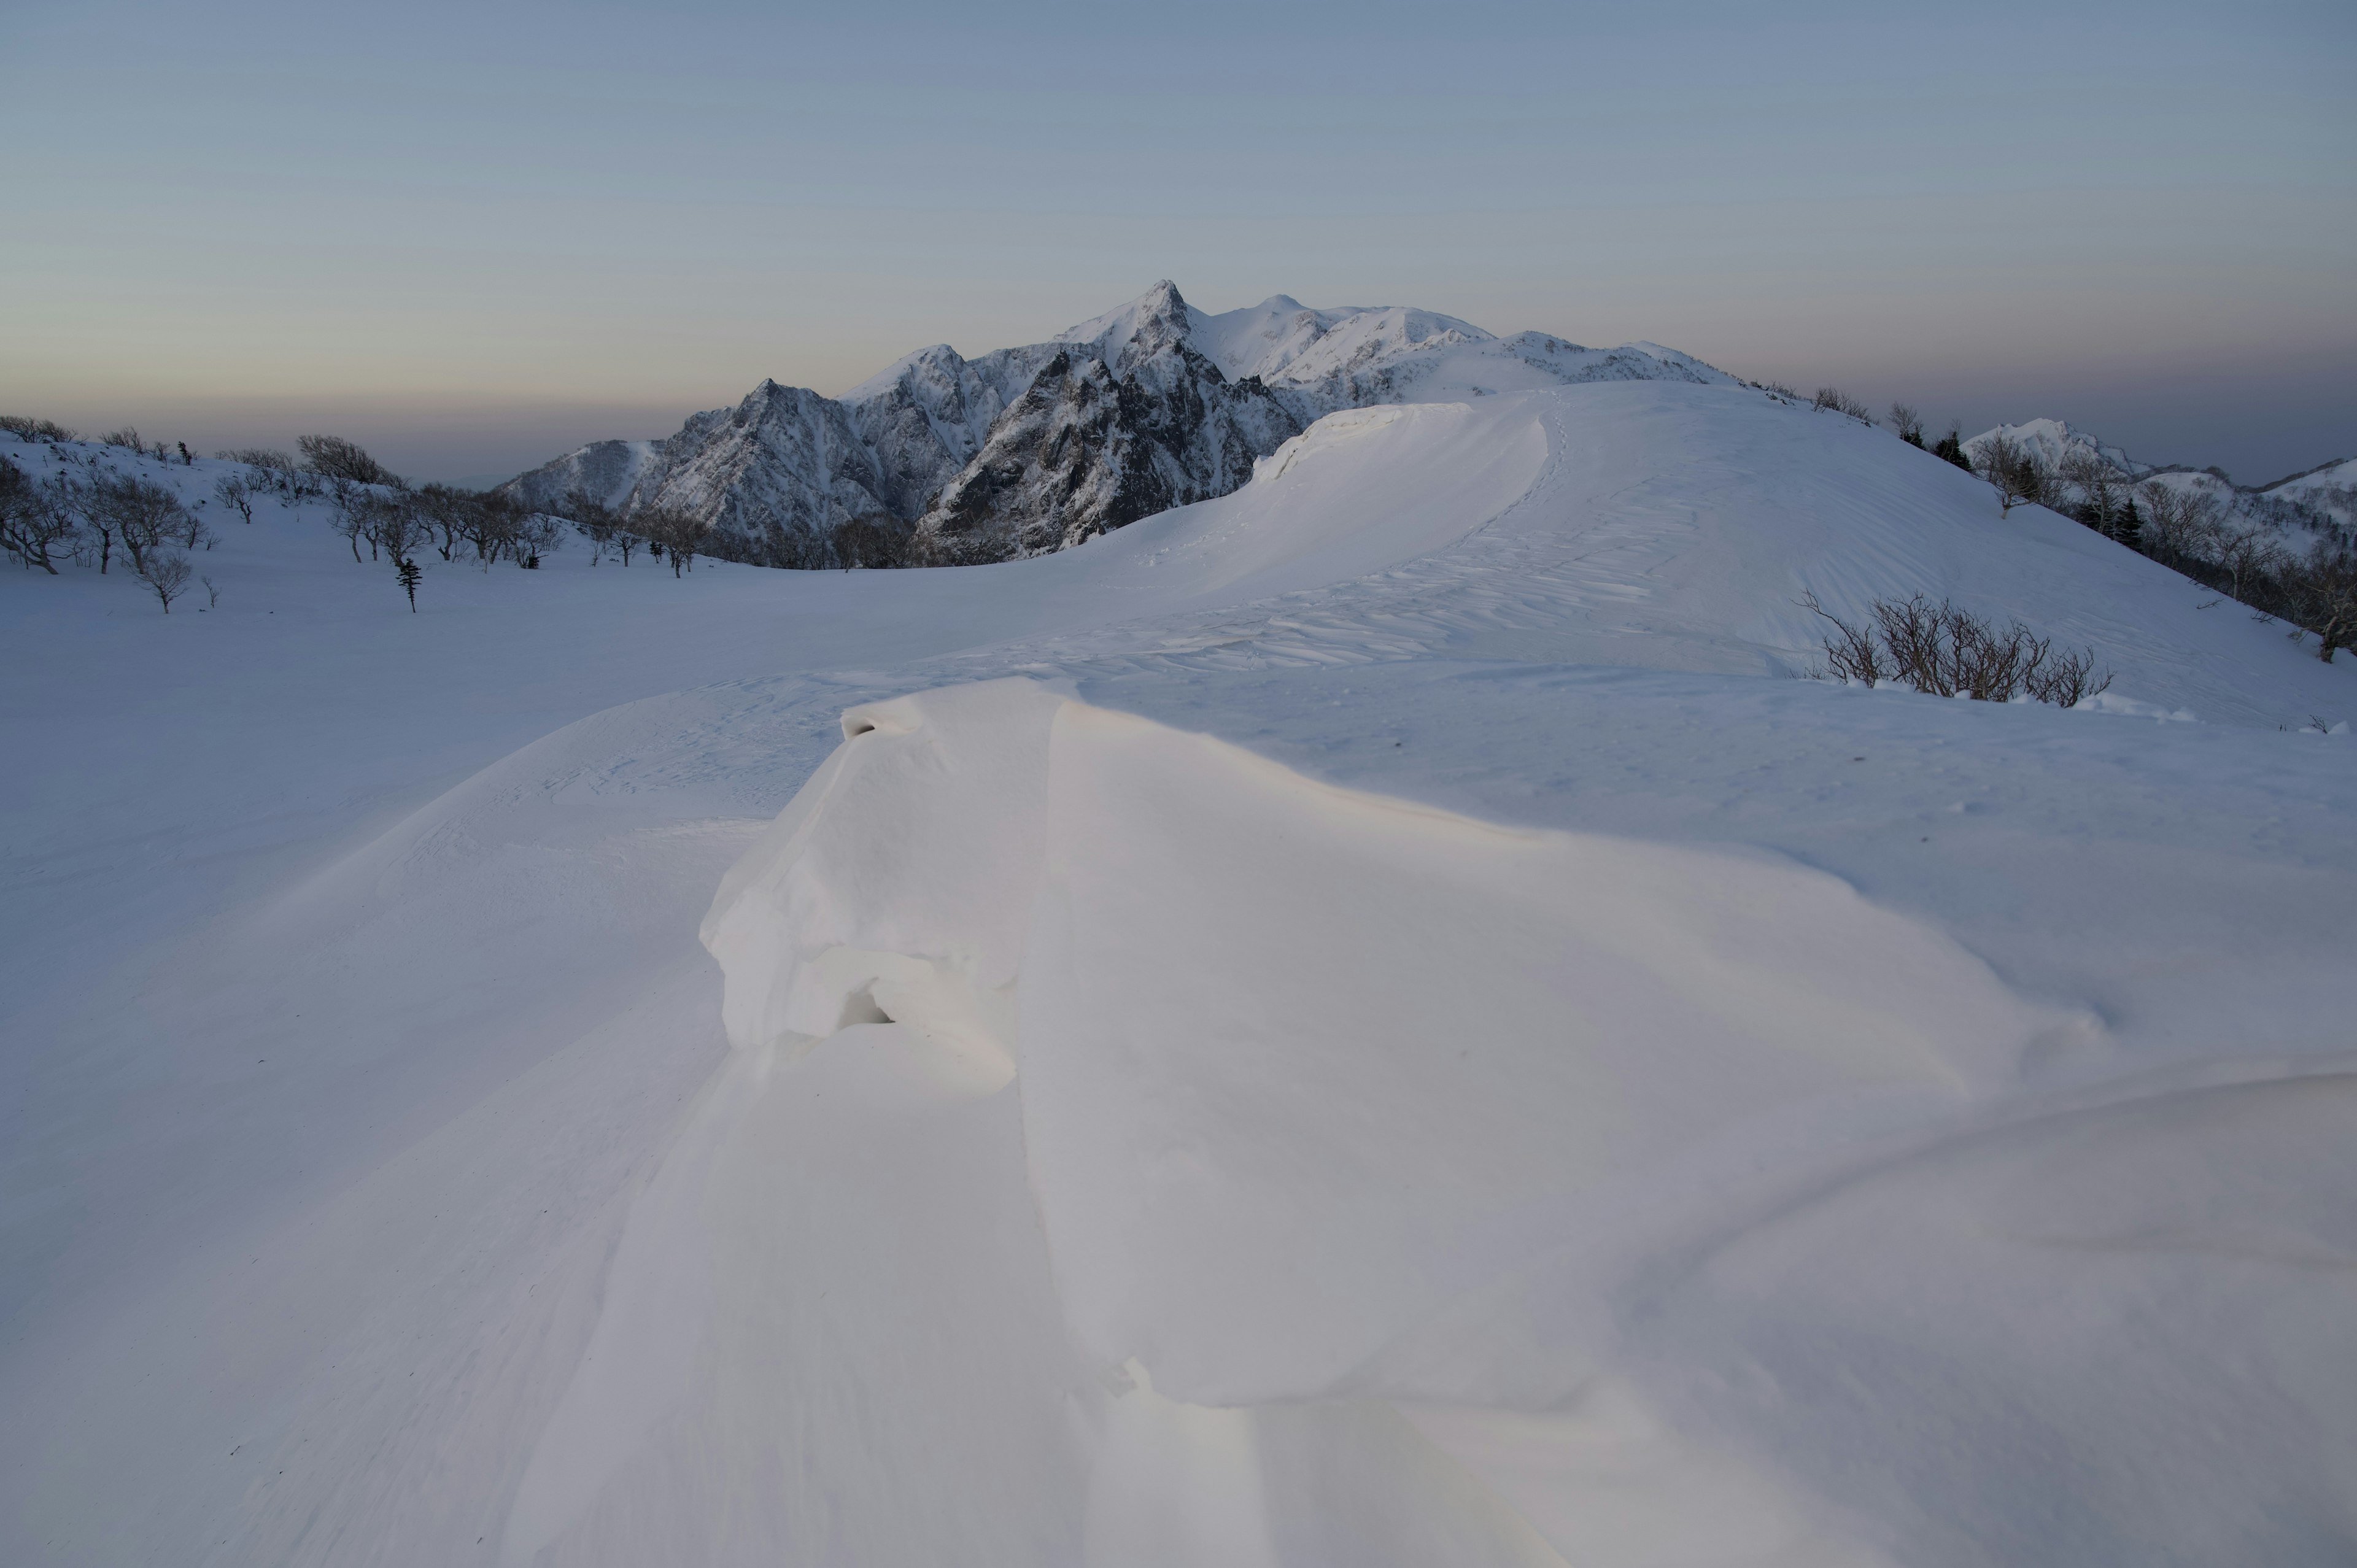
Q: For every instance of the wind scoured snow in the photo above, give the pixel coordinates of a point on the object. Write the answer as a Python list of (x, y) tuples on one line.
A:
[(1366, 1020)]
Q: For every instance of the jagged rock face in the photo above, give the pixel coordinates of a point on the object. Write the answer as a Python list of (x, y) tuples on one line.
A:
[(927, 416), (784, 480), (1093, 445), (945, 459)]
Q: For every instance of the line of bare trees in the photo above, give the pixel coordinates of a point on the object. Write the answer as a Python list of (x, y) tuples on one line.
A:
[(665, 532), (89, 512)]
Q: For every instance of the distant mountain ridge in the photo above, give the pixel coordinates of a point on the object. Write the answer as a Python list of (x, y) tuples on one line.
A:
[(2327, 491), (940, 459)]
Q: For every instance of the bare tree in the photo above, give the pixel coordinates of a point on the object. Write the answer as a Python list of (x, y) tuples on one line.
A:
[(127, 436), (333, 457), (679, 535), (2102, 489), (488, 521), (1908, 424), (594, 520), (2324, 596), (351, 520), (143, 514), (235, 491), (393, 524), (166, 572), (2013, 470), (2245, 555), (536, 534), (444, 508), (2184, 524), (34, 526)]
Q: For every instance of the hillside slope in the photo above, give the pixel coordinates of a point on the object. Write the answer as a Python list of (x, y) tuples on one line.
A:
[(1370, 1018)]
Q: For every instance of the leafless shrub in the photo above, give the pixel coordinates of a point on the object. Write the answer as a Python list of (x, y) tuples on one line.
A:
[(2066, 679), (1907, 423), (1778, 389), (24, 427), (1946, 652), (2014, 471), (213, 594), (1851, 653), (235, 491), (167, 572), (127, 436), (1840, 401)]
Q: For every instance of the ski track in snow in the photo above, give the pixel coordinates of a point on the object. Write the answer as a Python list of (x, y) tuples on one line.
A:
[(382, 1189)]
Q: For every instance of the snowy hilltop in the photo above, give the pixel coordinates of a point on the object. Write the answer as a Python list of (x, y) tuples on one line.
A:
[(944, 460), (1421, 1010)]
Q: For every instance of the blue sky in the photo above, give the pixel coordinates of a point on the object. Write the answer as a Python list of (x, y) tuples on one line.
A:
[(473, 236)]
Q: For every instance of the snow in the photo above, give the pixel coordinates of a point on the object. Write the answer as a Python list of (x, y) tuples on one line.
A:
[(2051, 440), (1367, 1020), (2331, 489)]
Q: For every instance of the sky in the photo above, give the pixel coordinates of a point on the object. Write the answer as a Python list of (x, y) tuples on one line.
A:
[(474, 236)]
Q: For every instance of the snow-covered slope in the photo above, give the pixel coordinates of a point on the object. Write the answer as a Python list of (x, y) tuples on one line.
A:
[(1367, 1019), (2330, 488), (1024, 450)]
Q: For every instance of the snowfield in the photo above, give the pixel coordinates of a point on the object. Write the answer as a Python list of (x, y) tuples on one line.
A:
[(1377, 1019)]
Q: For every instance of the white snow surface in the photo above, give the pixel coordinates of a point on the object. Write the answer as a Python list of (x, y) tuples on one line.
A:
[(1371, 1020)]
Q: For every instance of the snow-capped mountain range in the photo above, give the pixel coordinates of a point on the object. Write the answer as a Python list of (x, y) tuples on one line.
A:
[(942, 460)]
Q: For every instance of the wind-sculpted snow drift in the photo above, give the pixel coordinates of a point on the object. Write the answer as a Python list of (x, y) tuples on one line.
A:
[(1250, 1170)]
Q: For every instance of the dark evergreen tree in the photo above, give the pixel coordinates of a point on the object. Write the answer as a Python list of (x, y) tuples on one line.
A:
[(1951, 447), (409, 575)]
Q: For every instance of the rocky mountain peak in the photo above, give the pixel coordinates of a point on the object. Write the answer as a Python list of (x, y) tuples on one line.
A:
[(1150, 405)]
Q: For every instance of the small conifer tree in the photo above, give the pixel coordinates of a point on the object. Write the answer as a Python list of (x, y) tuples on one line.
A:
[(406, 569)]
